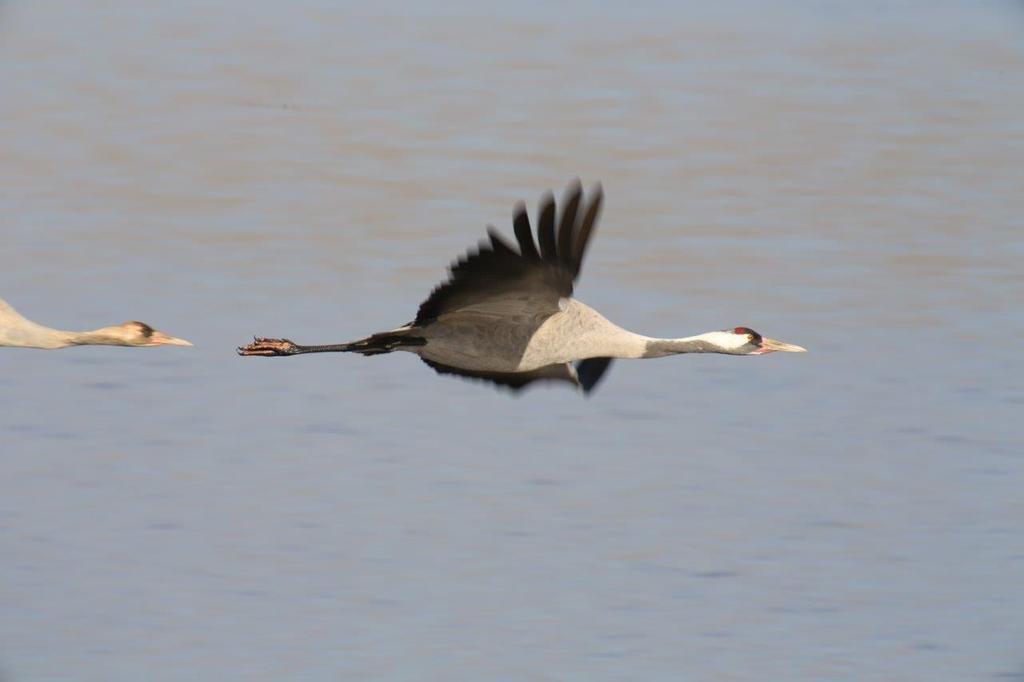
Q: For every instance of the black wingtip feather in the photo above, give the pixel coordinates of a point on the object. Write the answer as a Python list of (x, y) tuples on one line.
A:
[(546, 227), (587, 225), (498, 242), (567, 223), (524, 235)]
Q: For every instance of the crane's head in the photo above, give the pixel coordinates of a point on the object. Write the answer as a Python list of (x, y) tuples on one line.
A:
[(745, 341), (136, 333)]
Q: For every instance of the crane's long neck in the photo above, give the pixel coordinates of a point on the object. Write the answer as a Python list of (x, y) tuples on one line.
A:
[(24, 333), (96, 337), (45, 337), (582, 332), (709, 342)]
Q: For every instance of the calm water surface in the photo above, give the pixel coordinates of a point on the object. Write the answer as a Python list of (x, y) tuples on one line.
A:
[(846, 176)]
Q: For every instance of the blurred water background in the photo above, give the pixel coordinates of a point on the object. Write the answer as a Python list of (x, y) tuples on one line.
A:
[(845, 176)]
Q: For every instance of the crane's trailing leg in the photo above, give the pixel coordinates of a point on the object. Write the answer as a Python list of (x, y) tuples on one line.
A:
[(268, 347), (385, 342), (375, 344)]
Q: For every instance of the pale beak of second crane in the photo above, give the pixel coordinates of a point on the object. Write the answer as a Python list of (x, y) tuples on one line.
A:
[(771, 346), (161, 339)]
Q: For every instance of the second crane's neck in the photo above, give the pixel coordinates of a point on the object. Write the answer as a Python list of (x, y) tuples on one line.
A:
[(18, 331), (37, 336)]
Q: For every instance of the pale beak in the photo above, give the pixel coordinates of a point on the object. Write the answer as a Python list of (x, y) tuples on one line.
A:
[(771, 345), (161, 339)]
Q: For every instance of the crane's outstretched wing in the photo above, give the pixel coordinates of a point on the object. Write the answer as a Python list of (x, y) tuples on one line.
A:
[(534, 278), (585, 374)]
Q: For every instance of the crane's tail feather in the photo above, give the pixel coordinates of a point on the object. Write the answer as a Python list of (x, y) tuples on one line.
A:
[(384, 342), (589, 372)]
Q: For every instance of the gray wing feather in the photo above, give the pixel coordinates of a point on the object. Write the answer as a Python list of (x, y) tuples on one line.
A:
[(512, 380)]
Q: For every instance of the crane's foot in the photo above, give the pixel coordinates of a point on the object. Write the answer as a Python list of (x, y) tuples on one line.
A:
[(268, 347)]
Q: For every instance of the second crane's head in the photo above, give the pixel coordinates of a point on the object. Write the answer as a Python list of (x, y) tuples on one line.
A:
[(745, 341), (136, 333)]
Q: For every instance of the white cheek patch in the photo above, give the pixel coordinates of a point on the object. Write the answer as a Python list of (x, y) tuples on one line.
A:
[(727, 340)]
